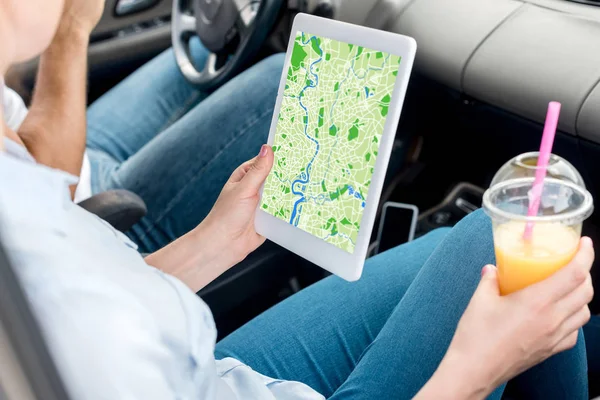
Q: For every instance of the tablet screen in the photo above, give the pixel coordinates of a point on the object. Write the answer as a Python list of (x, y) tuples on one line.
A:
[(331, 120)]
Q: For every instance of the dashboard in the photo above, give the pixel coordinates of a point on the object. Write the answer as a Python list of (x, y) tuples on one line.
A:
[(516, 55)]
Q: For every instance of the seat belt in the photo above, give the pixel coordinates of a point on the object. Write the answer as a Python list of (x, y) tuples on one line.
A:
[(32, 372)]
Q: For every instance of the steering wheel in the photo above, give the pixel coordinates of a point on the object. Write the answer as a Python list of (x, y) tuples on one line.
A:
[(232, 30)]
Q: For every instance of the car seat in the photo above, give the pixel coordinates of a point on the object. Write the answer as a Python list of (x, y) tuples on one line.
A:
[(120, 208), (27, 370)]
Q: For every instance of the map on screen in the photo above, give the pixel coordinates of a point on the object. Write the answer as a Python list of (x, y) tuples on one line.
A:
[(332, 117)]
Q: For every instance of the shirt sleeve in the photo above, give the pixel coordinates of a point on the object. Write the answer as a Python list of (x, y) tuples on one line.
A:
[(106, 351), (15, 110)]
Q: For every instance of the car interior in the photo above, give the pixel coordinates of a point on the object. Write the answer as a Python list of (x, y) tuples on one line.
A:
[(484, 74)]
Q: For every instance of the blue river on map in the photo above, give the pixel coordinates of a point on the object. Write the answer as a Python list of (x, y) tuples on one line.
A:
[(304, 178)]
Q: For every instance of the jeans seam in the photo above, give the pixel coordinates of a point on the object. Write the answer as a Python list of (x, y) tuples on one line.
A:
[(175, 116), (95, 147), (195, 175)]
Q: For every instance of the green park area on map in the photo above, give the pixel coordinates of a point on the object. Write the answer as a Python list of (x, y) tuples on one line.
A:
[(334, 108)]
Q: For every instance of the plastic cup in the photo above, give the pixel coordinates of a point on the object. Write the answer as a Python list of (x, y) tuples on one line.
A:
[(525, 166), (556, 230)]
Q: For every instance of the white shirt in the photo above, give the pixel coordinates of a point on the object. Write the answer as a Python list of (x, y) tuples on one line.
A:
[(15, 112), (116, 327)]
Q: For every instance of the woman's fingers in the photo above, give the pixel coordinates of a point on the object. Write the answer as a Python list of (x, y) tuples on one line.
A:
[(570, 277), (574, 322), (578, 298), (567, 343), (259, 170), (241, 171)]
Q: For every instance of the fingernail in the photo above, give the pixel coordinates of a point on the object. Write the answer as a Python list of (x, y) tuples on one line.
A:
[(485, 270), (263, 151), (587, 242)]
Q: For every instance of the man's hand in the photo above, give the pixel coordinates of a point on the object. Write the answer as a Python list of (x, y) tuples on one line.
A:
[(82, 14), (226, 236)]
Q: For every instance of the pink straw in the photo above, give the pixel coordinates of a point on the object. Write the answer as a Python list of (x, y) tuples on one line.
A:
[(542, 165)]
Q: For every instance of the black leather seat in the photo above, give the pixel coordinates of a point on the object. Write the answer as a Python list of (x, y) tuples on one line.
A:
[(120, 208)]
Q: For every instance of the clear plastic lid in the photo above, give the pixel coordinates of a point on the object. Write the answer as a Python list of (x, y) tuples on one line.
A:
[(561, 201), (525, 166)]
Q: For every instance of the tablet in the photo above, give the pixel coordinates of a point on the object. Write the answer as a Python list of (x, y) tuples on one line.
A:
[(332, 133)]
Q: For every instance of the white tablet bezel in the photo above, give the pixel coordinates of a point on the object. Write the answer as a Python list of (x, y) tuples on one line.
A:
[(328, 256)]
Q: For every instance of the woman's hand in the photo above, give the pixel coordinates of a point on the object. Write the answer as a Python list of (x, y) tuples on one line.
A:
[(226, 236), (498, 337), (231, 219)]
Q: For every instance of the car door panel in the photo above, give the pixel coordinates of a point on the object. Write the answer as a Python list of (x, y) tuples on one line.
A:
[(111, 24)]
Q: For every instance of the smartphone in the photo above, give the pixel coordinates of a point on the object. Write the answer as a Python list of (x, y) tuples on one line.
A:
[(397, 226)]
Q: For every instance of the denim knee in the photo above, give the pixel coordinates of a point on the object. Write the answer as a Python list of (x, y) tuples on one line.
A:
[(273, 63), (478, 225), (475, 233), (198, 52), (468, 247)]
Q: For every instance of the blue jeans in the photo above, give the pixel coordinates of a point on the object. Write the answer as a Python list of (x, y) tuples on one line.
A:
[(383, 336), (592, 344), (175, 146)]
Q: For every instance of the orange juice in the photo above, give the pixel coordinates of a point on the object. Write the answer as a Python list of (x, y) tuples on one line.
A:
[(521, 263)]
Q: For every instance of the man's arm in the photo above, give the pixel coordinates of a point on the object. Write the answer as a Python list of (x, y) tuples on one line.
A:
[(54, 131)]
